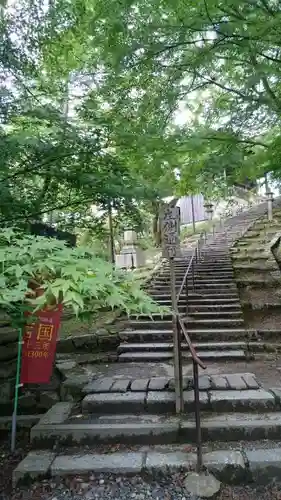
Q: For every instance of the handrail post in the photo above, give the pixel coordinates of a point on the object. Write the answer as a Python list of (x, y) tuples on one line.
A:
[(177, 342), (197, 417)]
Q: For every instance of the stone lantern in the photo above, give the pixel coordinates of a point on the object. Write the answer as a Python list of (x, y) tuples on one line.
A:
[(269, 196), (131, 256), (209, 209)]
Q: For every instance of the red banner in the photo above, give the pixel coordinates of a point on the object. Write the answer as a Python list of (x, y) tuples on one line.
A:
[(39, 346)]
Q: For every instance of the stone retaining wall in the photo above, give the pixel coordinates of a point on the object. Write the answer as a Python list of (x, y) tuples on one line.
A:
[(37, 399)]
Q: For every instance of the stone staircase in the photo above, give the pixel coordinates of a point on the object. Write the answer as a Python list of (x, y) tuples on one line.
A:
[(215, 319), (214, 314), (134, 408)]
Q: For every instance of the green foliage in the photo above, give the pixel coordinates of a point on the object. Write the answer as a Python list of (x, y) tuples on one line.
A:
[(218, 61), (91, 93), (75, 277)]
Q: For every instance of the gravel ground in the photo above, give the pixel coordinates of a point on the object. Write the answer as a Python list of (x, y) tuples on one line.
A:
[(109, 487), (106, 487)]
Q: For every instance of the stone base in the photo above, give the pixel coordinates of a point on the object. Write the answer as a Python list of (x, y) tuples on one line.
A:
[(202, 485)]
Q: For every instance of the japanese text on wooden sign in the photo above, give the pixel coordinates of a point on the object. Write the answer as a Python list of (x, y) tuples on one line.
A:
[(39, 346), (170, 232)]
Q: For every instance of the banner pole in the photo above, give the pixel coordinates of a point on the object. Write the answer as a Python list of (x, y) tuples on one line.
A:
[(17, 386)]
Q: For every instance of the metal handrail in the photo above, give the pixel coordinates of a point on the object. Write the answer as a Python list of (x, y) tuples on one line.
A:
[(195, 255), (196, 361), (189, 343)]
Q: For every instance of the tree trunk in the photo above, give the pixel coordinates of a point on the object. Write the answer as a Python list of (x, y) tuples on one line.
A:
[(155, 223)]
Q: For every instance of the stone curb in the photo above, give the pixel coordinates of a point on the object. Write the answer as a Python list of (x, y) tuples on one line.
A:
[(261, 466), (23, 421)]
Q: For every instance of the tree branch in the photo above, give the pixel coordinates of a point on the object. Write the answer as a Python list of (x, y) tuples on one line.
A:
[(241, 141), (264, 80), (274, 59), (212, 81), (267, 8)]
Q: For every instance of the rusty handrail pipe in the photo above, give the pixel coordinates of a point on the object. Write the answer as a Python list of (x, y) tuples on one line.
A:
[(189, 343)]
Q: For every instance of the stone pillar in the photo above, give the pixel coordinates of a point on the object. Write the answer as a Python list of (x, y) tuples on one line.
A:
[(269, 196)]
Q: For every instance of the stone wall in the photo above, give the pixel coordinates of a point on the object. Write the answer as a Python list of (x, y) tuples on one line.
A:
[(99, 346), (255, 268)]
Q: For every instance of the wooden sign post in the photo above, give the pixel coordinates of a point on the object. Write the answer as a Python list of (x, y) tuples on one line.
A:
[(170, 234)]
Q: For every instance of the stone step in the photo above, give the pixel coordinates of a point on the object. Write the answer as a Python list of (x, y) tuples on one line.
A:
[(200, 284), (200, 288), (200, 273), (201, 265), (198, 335), (249, 248), (190, 321), (206, 305), (201, 297), (260, 466), (154, 356), (198, 279), (212, 322), (166, 346), (233, 313), (147, 429), (252, 256), (215, 314), (232, 306), (254, 266), (149, 325), (164, 402)]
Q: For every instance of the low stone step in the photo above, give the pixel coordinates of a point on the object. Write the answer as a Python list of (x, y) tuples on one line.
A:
[(201, 298), (137, 335), (147, 429), (248, 256), (198, 282), (190, 321), (260, 466), (199, 287), (254, 266), (166, 346), (142, 356), (248, 249), (215, 314), (235, 306), (200, 273), (146, 324), (206, 305), (164, 402), (198, 335), (211, 323)]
